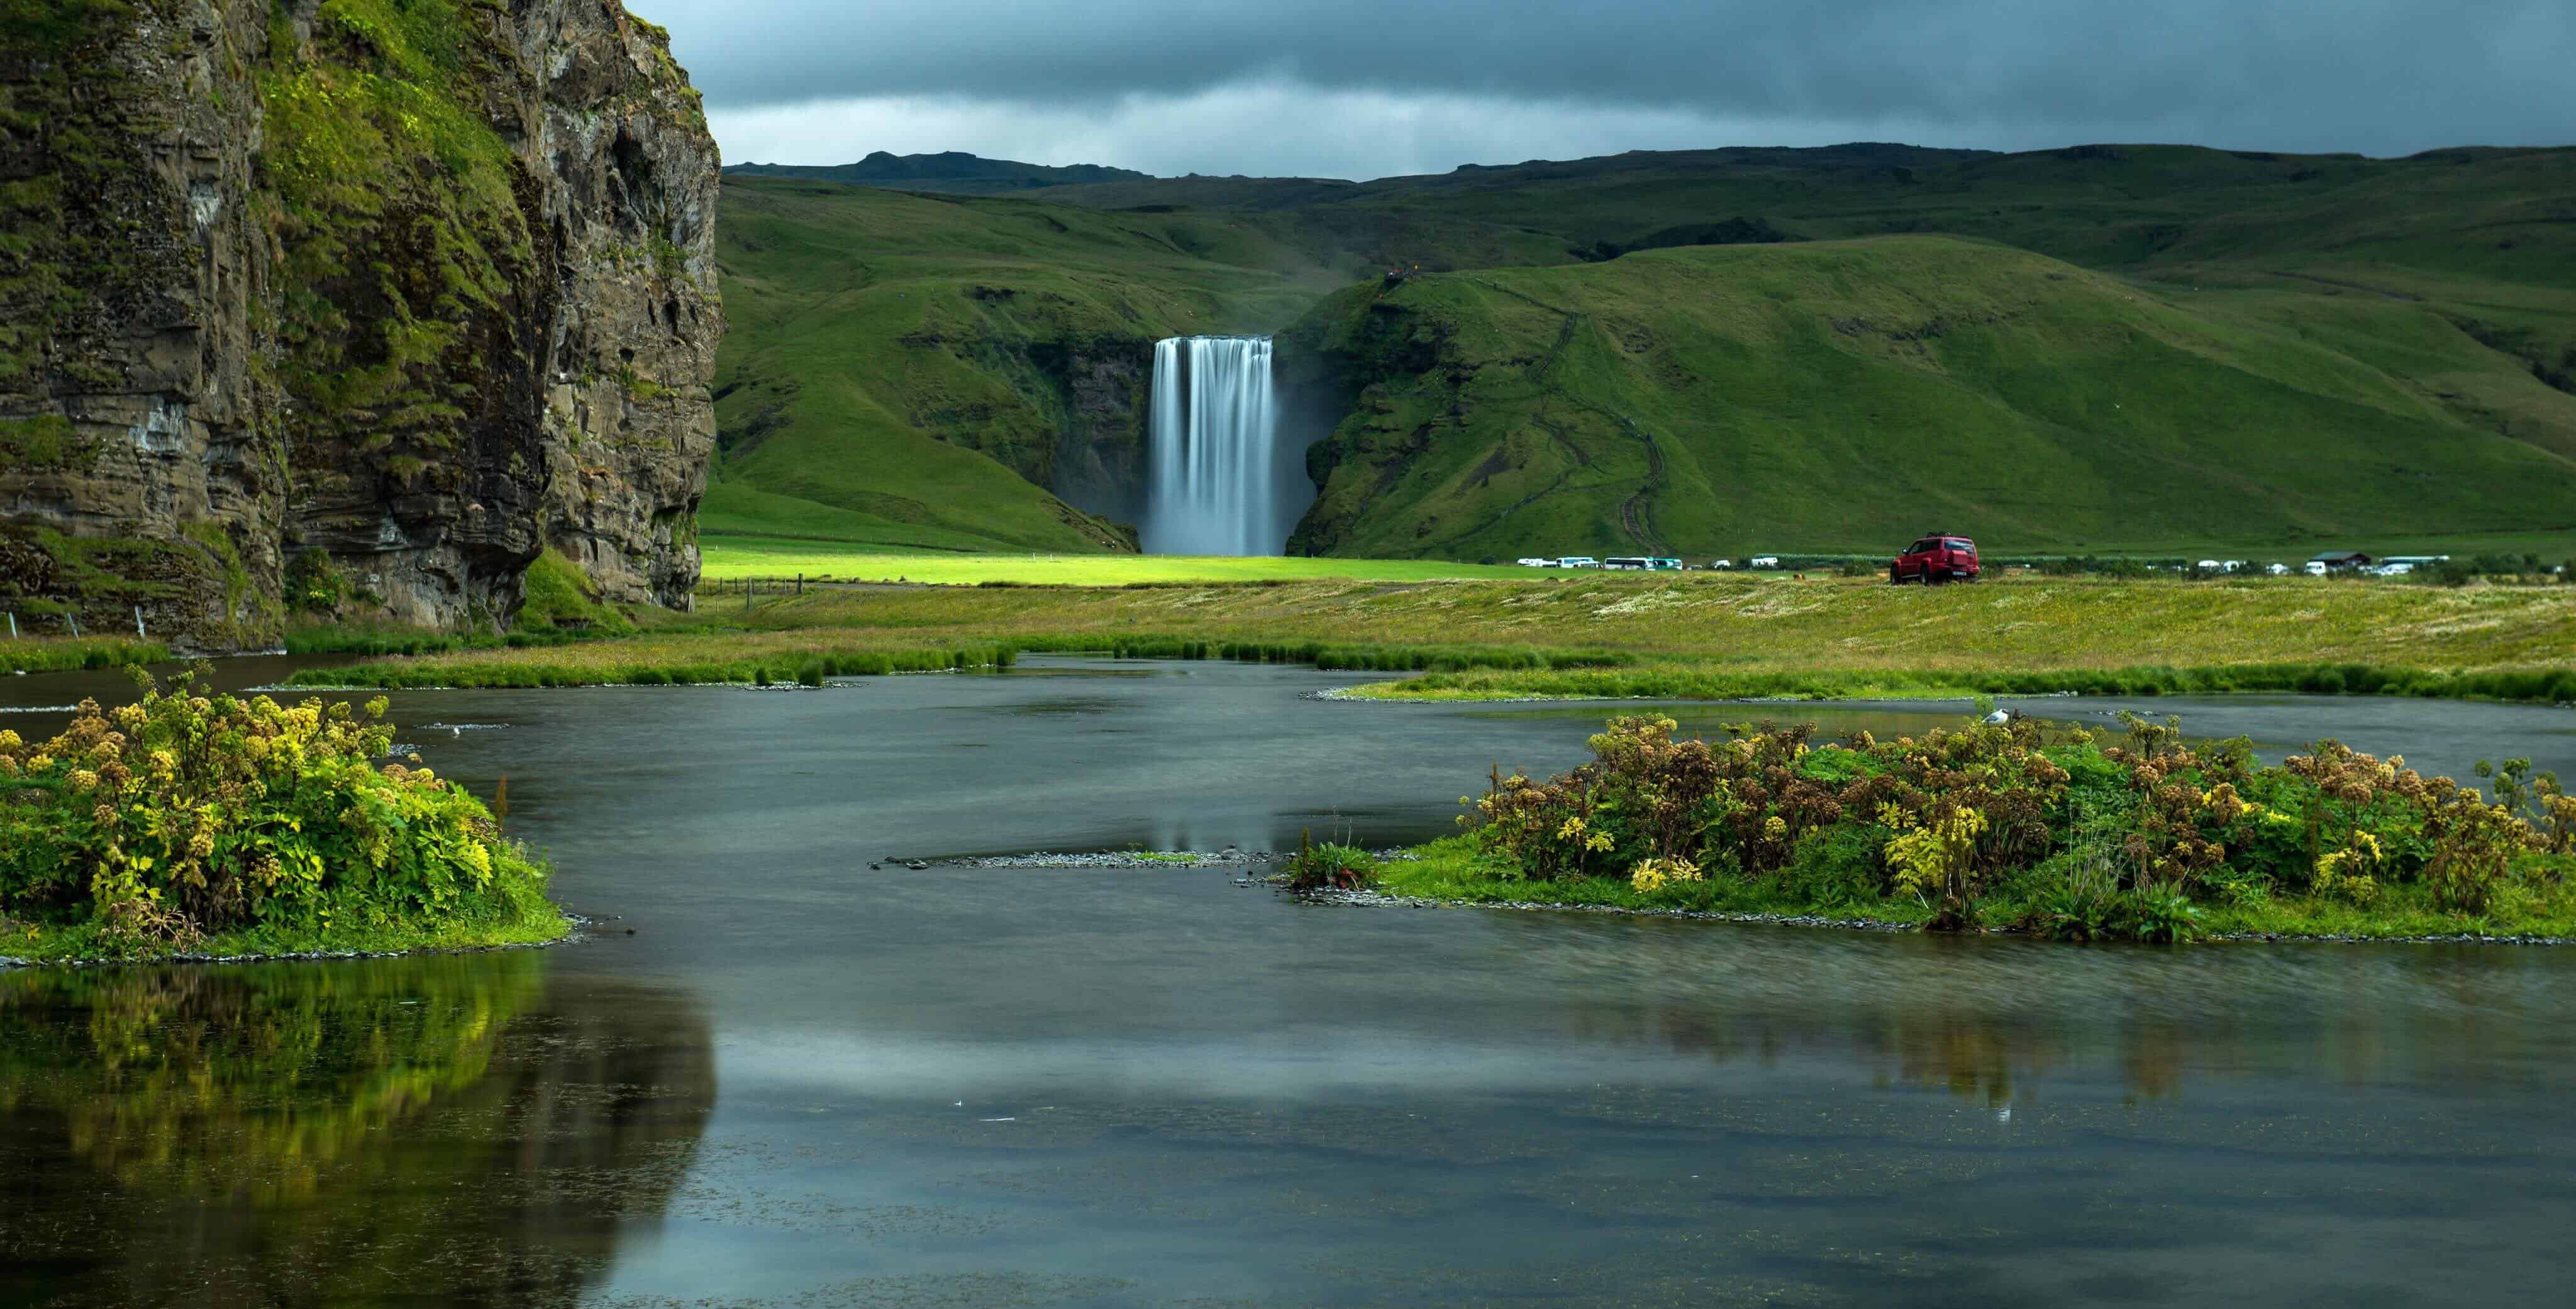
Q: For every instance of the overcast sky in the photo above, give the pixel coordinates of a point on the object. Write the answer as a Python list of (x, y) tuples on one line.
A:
[(1367, 88)]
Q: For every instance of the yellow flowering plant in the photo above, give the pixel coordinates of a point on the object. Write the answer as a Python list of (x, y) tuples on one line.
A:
[(183, 815), (2016, 823), (1652, 875)]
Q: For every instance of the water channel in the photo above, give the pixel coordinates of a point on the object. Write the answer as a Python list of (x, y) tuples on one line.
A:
[(807, 1081)]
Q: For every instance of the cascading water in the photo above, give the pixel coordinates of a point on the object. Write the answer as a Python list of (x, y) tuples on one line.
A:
[(1218, 481)]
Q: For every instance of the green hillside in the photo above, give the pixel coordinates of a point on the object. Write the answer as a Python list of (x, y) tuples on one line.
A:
[(970, 372), (1846, 395), (2495, 213), (917, 370)]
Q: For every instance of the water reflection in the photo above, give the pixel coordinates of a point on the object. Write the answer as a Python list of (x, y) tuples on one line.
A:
[(1008, 1086), (453, 1129)]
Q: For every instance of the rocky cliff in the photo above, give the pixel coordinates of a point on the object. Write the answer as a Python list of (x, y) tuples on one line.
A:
[(356, 305)]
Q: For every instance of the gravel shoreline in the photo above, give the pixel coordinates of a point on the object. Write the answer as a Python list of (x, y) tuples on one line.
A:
[(1226, 858)]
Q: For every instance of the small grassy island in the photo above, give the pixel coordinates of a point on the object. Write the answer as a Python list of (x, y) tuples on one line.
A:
[(187, 824), (2003, 826)]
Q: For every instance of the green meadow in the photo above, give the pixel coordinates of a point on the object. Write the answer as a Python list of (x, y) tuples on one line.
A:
[(737, 558), (1597, 634)]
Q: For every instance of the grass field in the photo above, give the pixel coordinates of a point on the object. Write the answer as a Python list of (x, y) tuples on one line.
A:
[(1626, 635), (735, 558), (46, 654)]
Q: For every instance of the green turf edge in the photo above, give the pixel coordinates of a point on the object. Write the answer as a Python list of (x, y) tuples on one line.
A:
[(539, 922), (69, 654), (1473, 673), (1454, 870), (1680, 681)]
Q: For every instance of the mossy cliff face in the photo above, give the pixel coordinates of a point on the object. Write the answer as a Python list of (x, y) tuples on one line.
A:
[(1098, 459), (414, 288)]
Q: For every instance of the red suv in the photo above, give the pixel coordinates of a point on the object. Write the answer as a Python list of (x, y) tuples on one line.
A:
[(1935, 559)]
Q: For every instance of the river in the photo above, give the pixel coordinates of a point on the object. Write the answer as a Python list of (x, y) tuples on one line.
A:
[(804, 1080)]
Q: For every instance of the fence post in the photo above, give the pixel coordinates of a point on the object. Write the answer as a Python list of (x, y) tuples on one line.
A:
[(800, 584), (746, 595)]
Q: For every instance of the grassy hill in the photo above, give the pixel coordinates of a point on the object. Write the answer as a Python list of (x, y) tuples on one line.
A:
[(2499, 213), (1850, 394), (962, 372), (2238, 348)]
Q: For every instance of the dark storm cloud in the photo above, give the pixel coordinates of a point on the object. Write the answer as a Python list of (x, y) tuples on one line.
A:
[(2381, 76)]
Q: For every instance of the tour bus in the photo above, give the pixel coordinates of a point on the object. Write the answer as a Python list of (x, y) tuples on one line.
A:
[(1643, 563), (1577, 561)]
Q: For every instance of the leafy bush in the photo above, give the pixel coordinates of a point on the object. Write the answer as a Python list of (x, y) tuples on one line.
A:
[(1842, 867), (1992, 822), (182, 816), (1330, 866), (313, 583)]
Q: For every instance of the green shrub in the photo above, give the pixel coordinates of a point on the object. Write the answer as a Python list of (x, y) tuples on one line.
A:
[(1329, 866), (314, 583), (182, 816), (2166, 916), (1837, 868), (2071, 838)]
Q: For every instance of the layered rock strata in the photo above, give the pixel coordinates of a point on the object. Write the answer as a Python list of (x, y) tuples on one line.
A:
[(348, 305)]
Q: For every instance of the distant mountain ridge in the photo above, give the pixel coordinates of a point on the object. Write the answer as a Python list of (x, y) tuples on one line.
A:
[(948, 170), (961, 172)]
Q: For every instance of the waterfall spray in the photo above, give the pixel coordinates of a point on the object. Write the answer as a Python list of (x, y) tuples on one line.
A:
[(1216, 482)]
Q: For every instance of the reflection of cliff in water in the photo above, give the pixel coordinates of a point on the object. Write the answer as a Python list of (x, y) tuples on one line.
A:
[(458, 1129)]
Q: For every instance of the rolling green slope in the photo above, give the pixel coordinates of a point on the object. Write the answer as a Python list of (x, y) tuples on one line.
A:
[(916, 370), (970, 372), (2498, 214), (1850, 394)]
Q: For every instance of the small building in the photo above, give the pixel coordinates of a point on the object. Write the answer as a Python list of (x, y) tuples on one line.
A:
[(2338, 560)]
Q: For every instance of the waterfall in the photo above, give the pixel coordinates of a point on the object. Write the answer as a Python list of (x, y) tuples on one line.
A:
[(1217, 482)]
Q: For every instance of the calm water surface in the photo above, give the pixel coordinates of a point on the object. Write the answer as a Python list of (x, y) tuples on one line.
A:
[(803, 1081)]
